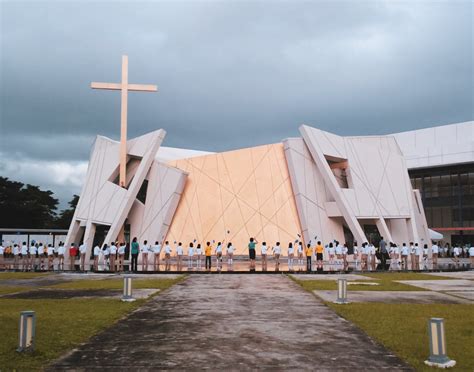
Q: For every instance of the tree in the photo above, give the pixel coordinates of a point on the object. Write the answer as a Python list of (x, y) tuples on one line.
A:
[(64, 219), (26, 205)]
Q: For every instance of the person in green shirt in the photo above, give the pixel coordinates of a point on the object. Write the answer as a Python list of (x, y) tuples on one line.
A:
[(134, 252), (251, 247)]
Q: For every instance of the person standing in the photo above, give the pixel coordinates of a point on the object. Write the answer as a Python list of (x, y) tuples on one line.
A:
[(113, 255), (435, 253), (121, 255), (179, 255), (145, 249), (208, 253), (309, 254), (134, 250), (383, 252), (319, 255), (277, 254), (345, 250), (190, 256), (219, 256), (41, 256), (96, 257), (50, 253), (405, 256), (291, 256), (331, 253), (82, 252), (251, 247), (263, 251), (300, 255), (156, 258), (456, 253), (412, 255), (61, 252), (417, 256), (72, 257), (106, 256), (199, 256), (230, 254), (471, 256), (22, 254)]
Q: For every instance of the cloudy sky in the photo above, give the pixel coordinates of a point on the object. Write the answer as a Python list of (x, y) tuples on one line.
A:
[(230, 74)]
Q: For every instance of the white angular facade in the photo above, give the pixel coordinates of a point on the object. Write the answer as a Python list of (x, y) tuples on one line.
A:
[(337, 185)]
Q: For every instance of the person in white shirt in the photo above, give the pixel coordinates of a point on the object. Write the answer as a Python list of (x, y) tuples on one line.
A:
[(41, 256), (167, 256), (405, 256), (263, 251), (82, 255), (345, 249), (50, 253), (276, 254), (32, 252), (300, 252), (112, 256), (121, 255), (291, 256), (218, 252), (2, 260), (418, 253), (471, 256), (435, 254), (355, 254), (61, 251), (373, 257), (190, 256), (144, 250), (456, 253), (156, 253), (22, 253), (179, 255), (338, 253), (199, 255), (331, 253), (96, 257), (106, 257), (230, 254)]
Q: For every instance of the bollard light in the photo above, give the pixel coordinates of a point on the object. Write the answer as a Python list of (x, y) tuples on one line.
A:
[(341, 292), (127, 289), (438, 357), (27, 331)]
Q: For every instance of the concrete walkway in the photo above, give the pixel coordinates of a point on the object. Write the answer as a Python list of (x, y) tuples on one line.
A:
[(234, 322)]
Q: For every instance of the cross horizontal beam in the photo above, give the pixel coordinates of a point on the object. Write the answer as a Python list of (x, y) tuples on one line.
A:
[(130, 87)]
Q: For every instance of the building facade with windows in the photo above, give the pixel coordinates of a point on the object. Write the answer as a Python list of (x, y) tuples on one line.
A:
[(440, 163)]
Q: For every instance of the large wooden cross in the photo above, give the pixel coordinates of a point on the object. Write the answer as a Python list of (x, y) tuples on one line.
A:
[(124, 87)]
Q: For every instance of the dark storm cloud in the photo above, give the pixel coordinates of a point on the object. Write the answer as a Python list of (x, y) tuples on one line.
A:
[(230, 74)]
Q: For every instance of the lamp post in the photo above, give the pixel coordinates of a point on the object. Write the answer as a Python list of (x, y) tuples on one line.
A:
[(438, 357), (27, 331), (127, 289), (341, 292)]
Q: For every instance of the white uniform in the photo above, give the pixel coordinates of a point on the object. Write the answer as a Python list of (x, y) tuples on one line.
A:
[(434, 249), (291, 250), (2, 250), (417, 250), (16, 251), (277, 249), (230, 249), (167, 249), (61, 250), (339, 249), (50, 251), (199, 251), (121, 249), (331, 251), (41, 250), (456, 251), (179, 250), (24, 250), (33, 250), (145, 248), (300, 248), (219, 248), (404, 250), (113, 250), (190, 251), (96, 251), (157, 249), (263, 249), (82, 249)]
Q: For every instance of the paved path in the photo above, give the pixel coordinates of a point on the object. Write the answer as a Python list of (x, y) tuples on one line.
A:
[(234, 322)]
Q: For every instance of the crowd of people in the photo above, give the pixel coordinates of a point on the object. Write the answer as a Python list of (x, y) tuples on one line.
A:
[(298, 256)]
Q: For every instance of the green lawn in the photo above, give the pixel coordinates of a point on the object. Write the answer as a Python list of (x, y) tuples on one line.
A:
[(6, 289), (63, 324), (21, 275), (402, 328), (386, 281), (118, 283)]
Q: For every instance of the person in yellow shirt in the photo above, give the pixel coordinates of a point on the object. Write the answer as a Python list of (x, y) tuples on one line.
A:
[(319, 254), (208, 253), (309, 254)]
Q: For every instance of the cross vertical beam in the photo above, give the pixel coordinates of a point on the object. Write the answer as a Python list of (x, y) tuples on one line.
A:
[(124, 87)]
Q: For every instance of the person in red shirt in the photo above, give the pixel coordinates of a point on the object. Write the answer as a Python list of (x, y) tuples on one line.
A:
[(72, 256)]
